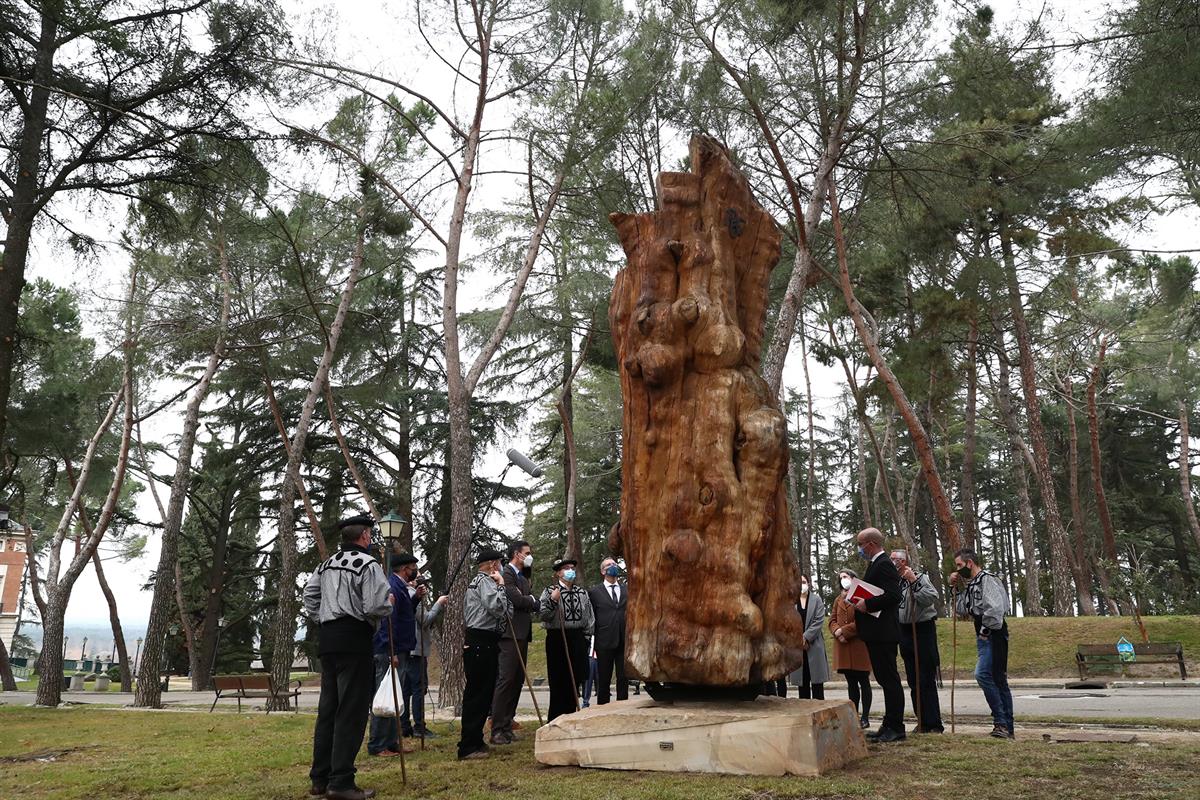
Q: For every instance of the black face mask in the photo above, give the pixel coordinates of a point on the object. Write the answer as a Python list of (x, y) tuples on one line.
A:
[(965, 572)]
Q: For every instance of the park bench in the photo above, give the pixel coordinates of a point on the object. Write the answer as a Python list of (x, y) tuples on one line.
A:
[(1105, 657), (249, 687)]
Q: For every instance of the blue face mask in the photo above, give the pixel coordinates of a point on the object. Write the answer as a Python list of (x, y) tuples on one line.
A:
[(568, 575), (863, 554), (612, 571)]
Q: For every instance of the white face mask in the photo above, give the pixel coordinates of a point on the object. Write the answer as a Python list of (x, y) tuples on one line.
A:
[(528, 562), (804, 588), (845, 583)]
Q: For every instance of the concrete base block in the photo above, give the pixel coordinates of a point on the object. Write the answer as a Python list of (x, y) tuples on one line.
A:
[(765, 736)]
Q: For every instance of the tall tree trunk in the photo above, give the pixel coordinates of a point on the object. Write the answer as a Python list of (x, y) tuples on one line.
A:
[(970, 526), (49, 693), (806, 542), (1032, 570), (1108, 537), (404, 482), (148, 692), (1080, 563), (202, 666), (860, 458), (114, 618), (287, 609), (945, 515), (1185, 472), (1060, 554), (23, 206)]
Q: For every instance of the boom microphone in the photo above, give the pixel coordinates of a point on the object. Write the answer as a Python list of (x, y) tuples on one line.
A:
[(519, 459)]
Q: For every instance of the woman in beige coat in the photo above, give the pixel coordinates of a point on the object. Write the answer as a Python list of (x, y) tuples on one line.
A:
[(850, 655)]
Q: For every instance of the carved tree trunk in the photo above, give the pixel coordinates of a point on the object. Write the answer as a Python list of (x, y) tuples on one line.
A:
[(704, 441)]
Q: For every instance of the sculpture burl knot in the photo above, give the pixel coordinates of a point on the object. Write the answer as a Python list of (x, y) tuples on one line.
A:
[(704, 527)]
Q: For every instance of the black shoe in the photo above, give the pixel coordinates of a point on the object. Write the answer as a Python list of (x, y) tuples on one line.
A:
[(864, 723), (318, 790), (350, 794), (425, 734), (502, 738), (888, 735), (476, 754), (999, 732)]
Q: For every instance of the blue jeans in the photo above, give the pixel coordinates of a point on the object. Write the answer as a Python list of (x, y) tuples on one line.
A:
[(991, 673), (385, 734), (412, 680)]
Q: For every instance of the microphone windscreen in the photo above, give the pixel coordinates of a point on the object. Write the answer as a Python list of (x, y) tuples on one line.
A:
[(518, 458)]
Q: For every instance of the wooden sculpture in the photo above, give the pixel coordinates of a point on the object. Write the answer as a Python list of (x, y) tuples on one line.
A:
[(704, 526)]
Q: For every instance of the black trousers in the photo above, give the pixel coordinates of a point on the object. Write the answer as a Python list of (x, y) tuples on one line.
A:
[(481, 653), (560, 661), (606, 661), (883, 664), (509, 682), (807, 690), (926, 647), (347, 684)]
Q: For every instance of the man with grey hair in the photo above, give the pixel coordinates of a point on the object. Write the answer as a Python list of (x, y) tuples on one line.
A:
[(917, 615), (609, 600)]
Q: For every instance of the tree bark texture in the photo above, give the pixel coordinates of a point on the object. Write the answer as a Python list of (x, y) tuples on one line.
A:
[(1060, 554), (970, 526), (114, 618), (148, 692), (1080, 564), (1008, 415), (1185, 472), (705, 449)]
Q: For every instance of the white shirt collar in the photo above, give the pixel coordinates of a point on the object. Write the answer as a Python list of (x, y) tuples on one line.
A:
[(877, 555)]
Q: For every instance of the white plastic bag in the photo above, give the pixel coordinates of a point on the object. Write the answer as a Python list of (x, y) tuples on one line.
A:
[(384, 704)]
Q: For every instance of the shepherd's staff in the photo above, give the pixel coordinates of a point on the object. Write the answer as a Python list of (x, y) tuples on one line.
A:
[(912, 610), (953, 651), (521, 658)]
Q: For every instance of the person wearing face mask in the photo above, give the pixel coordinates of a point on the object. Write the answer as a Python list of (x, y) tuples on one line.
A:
[(882, 633), (609, 599), (566, 614), (486, 610), (850, 656), (918, 612), (385, 731), (514, 643), (417, 678), (982, 597), (814, 672)]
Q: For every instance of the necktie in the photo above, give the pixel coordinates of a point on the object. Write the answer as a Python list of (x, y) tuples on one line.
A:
[(613, 588)]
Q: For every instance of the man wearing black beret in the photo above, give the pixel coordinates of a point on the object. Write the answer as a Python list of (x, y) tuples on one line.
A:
[(348, 595), (486, 609)]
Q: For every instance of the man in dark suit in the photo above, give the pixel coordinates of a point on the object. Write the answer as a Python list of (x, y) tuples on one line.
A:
[(882, 634), (514, 643), (609, 599)]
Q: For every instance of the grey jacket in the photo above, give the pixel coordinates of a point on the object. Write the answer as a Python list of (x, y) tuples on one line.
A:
[(347, 584), (985, 599), (576, 610), (425, 616), (924, 599), (486, 607), (814, 634)]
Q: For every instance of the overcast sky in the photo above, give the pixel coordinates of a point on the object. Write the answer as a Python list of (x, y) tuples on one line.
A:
[(379, 36)]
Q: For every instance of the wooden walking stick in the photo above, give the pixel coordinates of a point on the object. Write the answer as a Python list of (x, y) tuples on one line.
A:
[(525, 670), (953, 651), (912, 610)]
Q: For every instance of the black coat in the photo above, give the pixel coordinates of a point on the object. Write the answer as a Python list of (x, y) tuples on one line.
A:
[(886, 628), (610, 617), (520, 594)]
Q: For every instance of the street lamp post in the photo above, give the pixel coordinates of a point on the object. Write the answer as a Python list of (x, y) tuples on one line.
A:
[(390, 528), (137, 654)]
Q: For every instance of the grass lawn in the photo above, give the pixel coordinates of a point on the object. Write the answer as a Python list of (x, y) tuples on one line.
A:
[(1040, 647), (138, 754)]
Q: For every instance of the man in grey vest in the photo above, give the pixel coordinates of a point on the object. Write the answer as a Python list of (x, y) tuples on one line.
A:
[(348, 595), (485, 615), (919, 604)]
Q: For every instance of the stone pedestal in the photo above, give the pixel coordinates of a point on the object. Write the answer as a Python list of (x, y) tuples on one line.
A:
[(766, 736)]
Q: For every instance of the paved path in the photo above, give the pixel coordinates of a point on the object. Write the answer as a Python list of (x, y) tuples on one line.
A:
[(1038, 698)]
